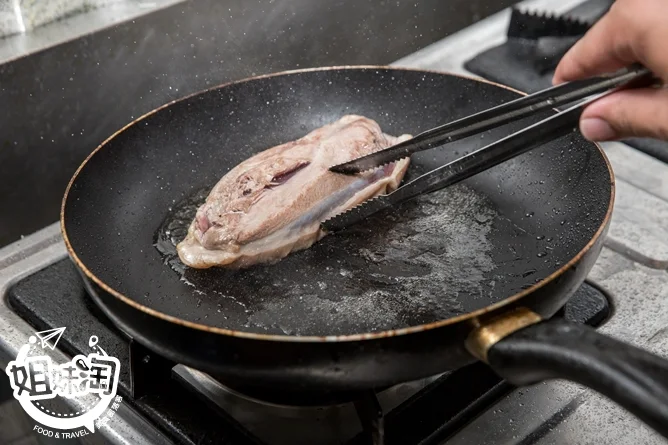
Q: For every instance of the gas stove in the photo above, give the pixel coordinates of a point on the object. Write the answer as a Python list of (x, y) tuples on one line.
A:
[(626, 296), (191, 407)]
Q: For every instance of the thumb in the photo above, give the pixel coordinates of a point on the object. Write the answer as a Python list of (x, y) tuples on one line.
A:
[(625, 114)]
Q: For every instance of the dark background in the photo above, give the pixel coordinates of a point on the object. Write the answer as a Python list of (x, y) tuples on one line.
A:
[(56, 106)]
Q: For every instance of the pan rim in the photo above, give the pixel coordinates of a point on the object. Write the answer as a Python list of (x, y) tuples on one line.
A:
[(328, 338)]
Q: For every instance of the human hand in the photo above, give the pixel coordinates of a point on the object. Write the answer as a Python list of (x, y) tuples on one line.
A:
[(633, 31)]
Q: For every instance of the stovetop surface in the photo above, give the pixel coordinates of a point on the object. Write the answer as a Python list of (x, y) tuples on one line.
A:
[(181, 413)]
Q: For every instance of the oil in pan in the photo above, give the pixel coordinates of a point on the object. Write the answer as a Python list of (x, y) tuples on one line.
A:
[(400, 268)]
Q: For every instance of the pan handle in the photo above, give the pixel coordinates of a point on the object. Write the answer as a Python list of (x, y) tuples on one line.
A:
[(525, 350)]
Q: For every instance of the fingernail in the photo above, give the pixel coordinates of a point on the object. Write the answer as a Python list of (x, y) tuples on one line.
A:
[(596, 129)]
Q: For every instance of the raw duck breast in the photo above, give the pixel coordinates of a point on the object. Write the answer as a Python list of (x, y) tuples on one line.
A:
[(272, 204)]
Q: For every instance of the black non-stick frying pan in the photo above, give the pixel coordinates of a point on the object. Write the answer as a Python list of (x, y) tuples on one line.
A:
[(462, 274)]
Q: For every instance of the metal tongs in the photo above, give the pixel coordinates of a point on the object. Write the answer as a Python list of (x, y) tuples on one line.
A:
[(556, 126)]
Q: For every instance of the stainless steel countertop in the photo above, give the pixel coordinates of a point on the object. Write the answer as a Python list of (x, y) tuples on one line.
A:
[(76, 25), (632, 268)]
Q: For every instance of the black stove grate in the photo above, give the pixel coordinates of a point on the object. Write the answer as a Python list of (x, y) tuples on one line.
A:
[(181, 414)]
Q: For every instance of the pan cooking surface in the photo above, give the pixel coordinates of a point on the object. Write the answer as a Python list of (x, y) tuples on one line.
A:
[(444, 254), (398, 269)]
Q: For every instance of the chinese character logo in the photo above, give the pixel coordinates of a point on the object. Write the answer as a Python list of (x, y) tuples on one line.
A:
[(36, 380)]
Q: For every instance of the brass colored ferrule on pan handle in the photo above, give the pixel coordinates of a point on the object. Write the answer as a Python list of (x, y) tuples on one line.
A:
[(481, 340)]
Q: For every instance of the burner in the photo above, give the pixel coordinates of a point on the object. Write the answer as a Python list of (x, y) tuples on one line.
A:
[(290, 398), (195, 408)]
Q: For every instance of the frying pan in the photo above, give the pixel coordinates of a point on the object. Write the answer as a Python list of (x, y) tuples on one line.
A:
[(467, 273)]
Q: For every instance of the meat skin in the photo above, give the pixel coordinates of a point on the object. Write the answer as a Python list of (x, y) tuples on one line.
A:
[(272, 204)]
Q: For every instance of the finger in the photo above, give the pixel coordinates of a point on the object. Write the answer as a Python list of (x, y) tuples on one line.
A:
[(630, 113), (632, 31), (603, 49)]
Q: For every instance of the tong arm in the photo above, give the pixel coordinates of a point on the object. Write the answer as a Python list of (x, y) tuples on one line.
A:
[(494, 117), (462, 168)]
